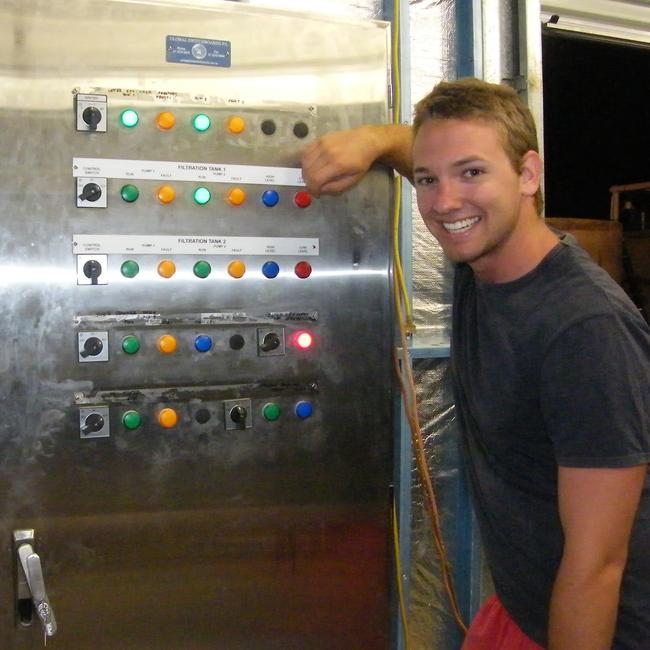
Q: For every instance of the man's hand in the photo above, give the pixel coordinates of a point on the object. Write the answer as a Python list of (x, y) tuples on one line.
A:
[(337, 161)]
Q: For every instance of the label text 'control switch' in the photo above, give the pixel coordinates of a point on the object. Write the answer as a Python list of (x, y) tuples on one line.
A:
[(93, 422), (238, 414), (270, 342), (93, 346)]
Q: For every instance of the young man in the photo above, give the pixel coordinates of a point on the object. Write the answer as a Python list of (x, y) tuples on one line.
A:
[(551, 375)]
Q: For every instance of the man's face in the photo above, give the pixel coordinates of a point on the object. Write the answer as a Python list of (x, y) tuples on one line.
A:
[(468, 193)]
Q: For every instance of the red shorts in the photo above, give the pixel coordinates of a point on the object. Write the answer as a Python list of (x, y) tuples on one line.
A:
[(493, 629)]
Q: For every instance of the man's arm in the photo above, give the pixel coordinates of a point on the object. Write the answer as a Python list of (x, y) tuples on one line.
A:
[(339, 160), (597, 509)]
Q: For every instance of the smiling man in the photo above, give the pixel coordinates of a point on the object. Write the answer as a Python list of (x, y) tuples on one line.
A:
[(551, 374)]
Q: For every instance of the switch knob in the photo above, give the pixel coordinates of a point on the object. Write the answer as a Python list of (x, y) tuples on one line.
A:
[(270, 342), (93, 423), (92, 117), (92, 347), (92, 270), (238, 414), (91, 192)]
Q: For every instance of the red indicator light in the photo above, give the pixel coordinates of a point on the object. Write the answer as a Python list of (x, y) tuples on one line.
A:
[(304, 340), (303, 270), (302, 199)]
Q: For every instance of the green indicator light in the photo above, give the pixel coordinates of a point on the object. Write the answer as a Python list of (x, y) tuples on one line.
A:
[(129, 118), (202, 195), (131, 420), (130, 344), (271, 412), (202, 269), (201, 122), (130, 269), (130, 193)]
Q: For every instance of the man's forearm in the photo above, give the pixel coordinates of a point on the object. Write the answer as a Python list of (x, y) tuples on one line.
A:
[(583, 608), (396, 144)]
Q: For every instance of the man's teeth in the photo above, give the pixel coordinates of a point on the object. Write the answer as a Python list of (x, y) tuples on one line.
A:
[(457, 226)]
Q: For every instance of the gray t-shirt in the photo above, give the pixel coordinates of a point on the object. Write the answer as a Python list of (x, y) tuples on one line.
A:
[(550, 369)]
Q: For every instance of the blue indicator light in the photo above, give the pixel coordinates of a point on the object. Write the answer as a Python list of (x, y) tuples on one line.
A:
[(203, 343), (270, 198), (270, 269), (304, 410)]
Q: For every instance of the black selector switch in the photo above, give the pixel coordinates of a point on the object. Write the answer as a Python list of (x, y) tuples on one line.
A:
[(93, 423), (91, 192), (92, 117), (92, 270), (270, 342), (92, 347), (238, 415)]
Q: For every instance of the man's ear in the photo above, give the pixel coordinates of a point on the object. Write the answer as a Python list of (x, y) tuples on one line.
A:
[(530, 175)]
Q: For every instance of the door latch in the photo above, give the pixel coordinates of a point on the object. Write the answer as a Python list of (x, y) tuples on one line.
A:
[(30, 585)]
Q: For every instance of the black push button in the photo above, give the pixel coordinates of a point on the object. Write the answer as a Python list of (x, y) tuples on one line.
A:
[(236, 342), (268, 127), (300, 130)]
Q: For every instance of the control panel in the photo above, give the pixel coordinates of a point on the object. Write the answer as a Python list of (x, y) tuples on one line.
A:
[(201, 233), (196, 363)]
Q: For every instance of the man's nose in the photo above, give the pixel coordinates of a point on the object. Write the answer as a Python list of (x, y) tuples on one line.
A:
[(446, 197)]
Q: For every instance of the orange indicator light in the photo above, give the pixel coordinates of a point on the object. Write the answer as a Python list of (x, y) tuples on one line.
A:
[(165, 120), (236, 269), (236, 196), (166, 268), (166, 194), (166, 343), (236, 125), (168, 418)]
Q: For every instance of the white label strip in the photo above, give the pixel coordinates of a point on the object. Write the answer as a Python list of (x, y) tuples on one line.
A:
[(161, 170), (193, 245)]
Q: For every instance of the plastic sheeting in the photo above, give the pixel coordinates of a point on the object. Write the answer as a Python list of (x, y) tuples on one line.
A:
[(433, 59)]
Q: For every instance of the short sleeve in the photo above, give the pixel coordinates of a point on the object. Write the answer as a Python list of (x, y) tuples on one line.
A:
[(595, 393)]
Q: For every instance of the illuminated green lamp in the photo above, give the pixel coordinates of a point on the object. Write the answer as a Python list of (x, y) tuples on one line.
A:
[(201, 122), (129, 118), (202, 195)]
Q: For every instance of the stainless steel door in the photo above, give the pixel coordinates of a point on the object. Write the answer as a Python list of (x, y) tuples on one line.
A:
[(196, 383)]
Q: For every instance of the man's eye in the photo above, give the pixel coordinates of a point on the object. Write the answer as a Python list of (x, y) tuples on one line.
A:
[(473, 172), (424, 180)]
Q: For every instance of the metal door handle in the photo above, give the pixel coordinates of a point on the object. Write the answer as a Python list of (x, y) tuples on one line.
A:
[(32, 573)]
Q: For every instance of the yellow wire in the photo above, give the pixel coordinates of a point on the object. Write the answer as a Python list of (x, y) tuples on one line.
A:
[(400, 588), (402, 295)]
